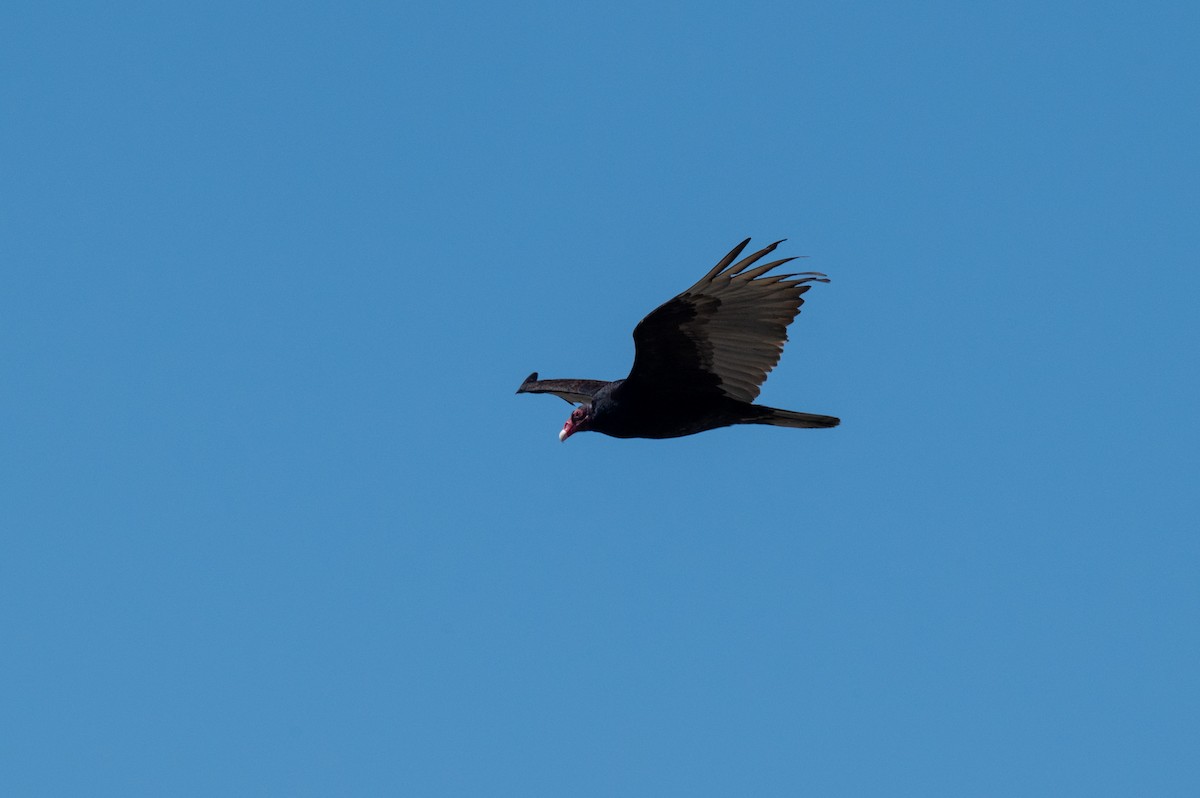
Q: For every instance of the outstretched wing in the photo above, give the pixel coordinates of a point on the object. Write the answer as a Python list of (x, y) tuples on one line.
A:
[(574, 391), (725, 333)]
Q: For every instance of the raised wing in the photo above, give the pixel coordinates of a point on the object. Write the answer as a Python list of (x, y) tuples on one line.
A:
[(725, 333), (574, 391)]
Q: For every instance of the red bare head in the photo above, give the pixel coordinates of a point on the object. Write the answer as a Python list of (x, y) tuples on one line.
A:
[(578, 422)]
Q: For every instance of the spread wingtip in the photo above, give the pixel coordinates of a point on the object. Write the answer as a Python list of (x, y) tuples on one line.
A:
[(531, 378)]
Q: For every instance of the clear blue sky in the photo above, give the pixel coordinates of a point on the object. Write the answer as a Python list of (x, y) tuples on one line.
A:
[(274, 523)]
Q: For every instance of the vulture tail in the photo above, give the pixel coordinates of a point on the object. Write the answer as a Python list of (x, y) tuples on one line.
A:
[(789, 418)]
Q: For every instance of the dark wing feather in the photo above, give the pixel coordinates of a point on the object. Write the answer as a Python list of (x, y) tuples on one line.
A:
[(725, 333), (574, 391)]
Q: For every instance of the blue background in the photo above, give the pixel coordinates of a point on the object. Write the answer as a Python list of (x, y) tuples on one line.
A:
[(275, 523)]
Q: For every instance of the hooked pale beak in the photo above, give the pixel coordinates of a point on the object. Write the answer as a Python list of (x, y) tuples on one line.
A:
[(567, 431)]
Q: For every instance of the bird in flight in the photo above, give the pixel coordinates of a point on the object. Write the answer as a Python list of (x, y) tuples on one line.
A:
[(700, 358)]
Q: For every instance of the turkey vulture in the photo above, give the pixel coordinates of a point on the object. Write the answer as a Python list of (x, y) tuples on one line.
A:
[(700, 358)]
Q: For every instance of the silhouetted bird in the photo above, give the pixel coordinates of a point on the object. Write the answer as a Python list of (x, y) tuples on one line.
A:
[(700, 358)]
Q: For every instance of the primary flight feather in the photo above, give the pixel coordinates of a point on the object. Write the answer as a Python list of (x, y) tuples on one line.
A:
[(700, 358)]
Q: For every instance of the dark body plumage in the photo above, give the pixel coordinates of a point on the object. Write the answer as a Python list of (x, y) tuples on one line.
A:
[(700, 358)]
